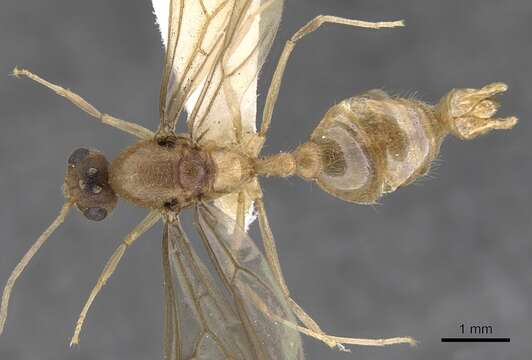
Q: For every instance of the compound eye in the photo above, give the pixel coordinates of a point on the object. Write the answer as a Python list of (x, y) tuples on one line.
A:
[(78, 156), (95, 213)]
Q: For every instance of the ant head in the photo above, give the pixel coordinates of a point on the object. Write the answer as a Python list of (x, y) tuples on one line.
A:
[(87, 184)]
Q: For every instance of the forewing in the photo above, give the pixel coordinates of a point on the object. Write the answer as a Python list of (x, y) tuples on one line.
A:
[(224, 108), (259, 302), (200, 321), (193, 32), (215, 49)]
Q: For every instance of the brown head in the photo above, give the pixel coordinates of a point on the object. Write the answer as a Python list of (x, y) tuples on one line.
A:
[(87, 184)]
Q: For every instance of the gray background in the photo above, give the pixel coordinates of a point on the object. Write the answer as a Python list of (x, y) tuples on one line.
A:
[(453, 248)]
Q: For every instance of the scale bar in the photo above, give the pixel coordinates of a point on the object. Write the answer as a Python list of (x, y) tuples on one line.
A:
[(471, 339)]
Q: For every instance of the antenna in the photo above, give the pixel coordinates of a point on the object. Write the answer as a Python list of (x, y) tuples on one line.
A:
[(27, 258)]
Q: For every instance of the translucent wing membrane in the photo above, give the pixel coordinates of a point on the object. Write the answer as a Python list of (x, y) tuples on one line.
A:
[(195, 35), (247, 318), (225, 110), (215, 49), (258, 300), (200, 322), (204, 321)]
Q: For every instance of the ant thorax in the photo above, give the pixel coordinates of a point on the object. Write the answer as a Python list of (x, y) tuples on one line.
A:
[(177, 174)]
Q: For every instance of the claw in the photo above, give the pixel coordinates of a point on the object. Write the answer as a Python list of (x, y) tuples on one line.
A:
[(16, 72), (342, 348), (468, 112)]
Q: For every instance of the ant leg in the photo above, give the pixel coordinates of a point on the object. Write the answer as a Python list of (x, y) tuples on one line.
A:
[(311, 327), (129, 127), (328, 339), (310, 27), (26, 259), (270, 251), (240, 216), (241, 211), (150, 220)]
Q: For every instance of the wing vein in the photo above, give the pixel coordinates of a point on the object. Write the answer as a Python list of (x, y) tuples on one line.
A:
[(185, 83), (252, 336), (227, 41), (244, 271), (171, 47), (170, 319), (188, 253), (238, 266)]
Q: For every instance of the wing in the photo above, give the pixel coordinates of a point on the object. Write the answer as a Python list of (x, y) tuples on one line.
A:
[(215, 49), (203, 321), (258, 300), (200, 323)]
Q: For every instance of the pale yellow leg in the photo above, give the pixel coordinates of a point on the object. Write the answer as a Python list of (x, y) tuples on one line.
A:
[(240, 217), (26, 259), (310, 27), (126, 126), (150, 220), (311, 327), (328, 339), (241, 210)]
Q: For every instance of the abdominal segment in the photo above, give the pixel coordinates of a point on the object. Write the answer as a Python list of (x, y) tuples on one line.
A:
[(372, 144)]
